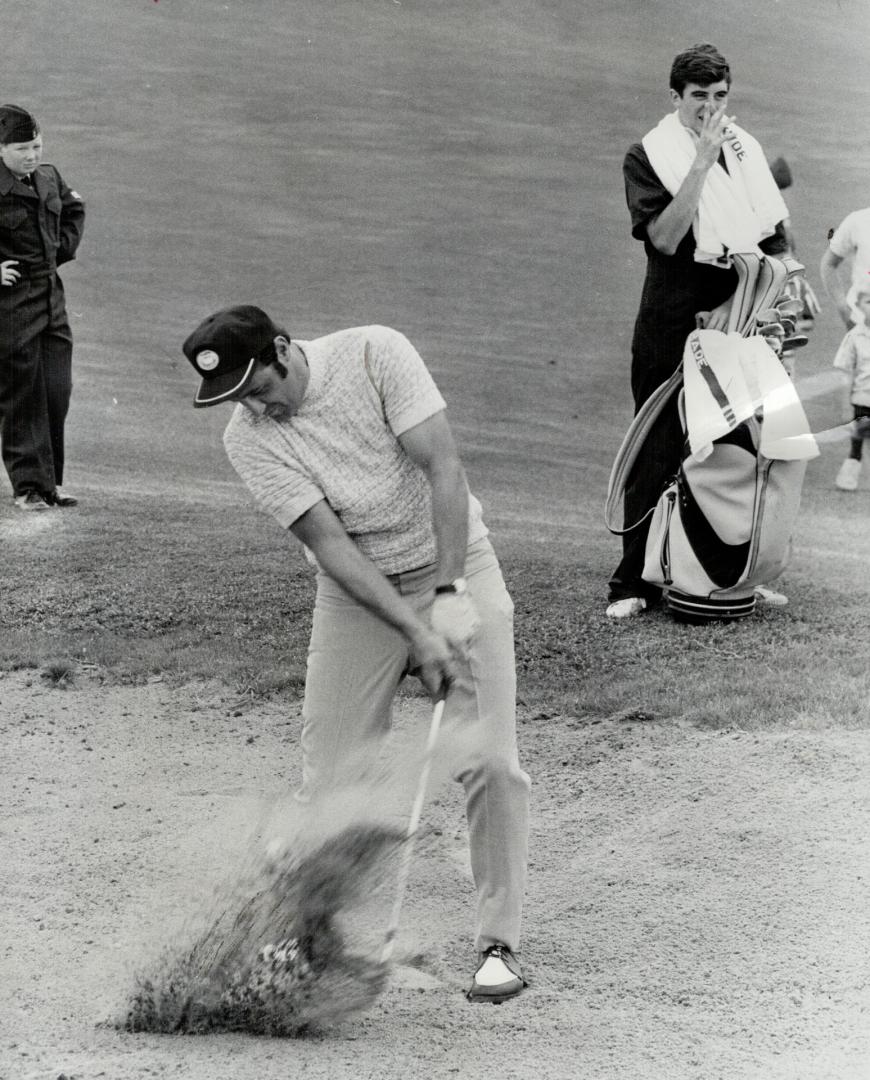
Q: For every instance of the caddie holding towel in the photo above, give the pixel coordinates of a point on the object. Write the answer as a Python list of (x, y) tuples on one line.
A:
[(698, 188), (41, 223), (344, 440)]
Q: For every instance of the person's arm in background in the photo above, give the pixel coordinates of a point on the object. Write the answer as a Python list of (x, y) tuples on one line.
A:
[(831, 279)]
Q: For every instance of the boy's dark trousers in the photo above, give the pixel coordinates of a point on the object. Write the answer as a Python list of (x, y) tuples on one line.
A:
[(35, 386)]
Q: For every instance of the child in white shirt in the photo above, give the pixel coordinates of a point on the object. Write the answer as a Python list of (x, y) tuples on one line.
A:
[(853, 358)]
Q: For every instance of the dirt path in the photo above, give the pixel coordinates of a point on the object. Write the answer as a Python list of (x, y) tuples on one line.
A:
[(697, 902)]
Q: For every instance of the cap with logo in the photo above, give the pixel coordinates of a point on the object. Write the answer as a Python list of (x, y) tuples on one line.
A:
[(224, 348), (17, 125)]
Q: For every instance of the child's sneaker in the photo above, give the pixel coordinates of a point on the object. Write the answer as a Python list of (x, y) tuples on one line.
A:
[(847, 477)]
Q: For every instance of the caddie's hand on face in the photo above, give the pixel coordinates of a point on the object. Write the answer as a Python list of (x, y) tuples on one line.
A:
[(8, 274), (455, 618), (712, 133)]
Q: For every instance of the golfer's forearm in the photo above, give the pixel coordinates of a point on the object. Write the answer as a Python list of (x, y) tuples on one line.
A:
[(668, 229), (342, 560), (450, 518), (320, 530)]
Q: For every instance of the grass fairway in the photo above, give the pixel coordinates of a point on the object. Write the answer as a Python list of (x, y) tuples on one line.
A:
[(453, 171)]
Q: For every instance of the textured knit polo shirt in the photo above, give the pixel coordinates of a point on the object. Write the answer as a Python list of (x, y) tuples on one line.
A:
[(367, 386)]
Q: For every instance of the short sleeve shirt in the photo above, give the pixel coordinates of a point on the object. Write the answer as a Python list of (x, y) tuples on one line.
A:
[(367, 386), (676, 287), (851, 240), (853, 357)]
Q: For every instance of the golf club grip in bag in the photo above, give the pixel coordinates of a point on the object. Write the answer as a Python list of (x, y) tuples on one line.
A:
[(721, 526)]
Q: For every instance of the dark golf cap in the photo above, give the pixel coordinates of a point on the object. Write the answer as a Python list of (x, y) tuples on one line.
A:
[(17, 125), (224, 349)]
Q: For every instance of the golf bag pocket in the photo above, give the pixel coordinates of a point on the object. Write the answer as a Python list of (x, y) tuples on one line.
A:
[(723, 526)]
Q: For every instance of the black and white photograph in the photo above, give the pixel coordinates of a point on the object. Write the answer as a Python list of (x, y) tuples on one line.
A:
[(434, 540)]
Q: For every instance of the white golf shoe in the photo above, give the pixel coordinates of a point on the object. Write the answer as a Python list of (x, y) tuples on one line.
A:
[(626, 608), (498, 976), (847, 477)]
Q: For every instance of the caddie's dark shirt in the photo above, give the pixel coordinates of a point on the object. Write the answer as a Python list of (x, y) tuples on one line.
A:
[(676, 287)]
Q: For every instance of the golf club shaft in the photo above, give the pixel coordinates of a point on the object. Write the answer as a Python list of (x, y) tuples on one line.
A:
[(413, 824)]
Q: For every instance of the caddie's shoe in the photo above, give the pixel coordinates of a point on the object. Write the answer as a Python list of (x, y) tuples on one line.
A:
[(31, 500), (625, 608), (498, 976), (764, 595), (60, 499), (847, 477)]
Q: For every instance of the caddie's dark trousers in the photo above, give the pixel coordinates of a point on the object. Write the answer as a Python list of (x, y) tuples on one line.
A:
[(35, 389)]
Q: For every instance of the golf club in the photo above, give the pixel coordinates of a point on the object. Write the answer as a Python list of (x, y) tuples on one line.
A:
[(413, 825)]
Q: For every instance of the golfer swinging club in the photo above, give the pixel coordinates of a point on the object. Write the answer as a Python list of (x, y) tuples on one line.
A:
[(345, 442)]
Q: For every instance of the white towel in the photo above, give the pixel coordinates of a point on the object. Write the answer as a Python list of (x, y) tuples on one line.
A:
[(727, 377), (738, 207)]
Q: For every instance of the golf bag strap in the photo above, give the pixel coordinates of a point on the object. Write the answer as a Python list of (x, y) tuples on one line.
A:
[(632, 445)]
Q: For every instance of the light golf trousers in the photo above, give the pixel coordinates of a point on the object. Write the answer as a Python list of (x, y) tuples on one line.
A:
[(355, 664)]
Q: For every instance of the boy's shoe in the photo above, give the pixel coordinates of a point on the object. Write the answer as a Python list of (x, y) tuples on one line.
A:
[(31, 500), (498, 976), (625, 608), (59, 498), (847, 477), (764, 595)]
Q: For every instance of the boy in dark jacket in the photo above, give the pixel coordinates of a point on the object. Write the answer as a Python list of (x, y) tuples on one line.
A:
[(41, 222)]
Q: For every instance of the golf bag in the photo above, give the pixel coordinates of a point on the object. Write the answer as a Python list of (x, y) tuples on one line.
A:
[(723, 523), (721, 526)]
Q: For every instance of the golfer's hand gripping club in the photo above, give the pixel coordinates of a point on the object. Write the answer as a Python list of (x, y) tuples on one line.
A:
[(434, 662)]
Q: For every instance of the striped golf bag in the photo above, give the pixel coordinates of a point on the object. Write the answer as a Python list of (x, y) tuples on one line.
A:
[(722, 525)]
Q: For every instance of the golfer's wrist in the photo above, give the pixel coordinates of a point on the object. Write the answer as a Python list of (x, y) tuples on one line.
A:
[(457, 586)]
